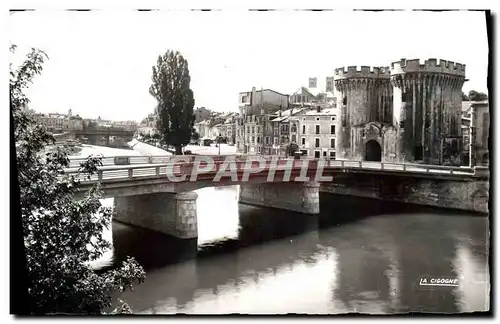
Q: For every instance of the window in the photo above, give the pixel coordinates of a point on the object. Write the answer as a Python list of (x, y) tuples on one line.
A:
[(344, 101), (275, 141), (258, 129), (304, 152), (317, 118), (332, 155), (243, 99), (317, 129), (418, 153), (294, 128), (258, 139), (303, 129), (317, 154), (332, 142), (294, 138), (486, 158), (253, 129), (334, 118), (316, 142), (324, 153), (253, 139), (332, 129), (258, 149), (303, 141), (402, 124), (404, 97), (267, 140)]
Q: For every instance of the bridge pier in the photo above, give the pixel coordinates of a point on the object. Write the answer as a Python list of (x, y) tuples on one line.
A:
[(167, 213), (298, 197)]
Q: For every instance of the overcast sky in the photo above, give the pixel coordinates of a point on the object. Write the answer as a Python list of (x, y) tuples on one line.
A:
[(100, 62)]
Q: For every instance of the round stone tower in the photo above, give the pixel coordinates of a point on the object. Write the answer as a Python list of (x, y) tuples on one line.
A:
[(364, 96), (427, 110)]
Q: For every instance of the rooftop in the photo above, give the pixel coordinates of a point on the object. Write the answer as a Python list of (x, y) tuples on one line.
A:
[(324, 111)]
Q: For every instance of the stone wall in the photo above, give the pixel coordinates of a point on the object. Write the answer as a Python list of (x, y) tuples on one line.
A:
[(172, 214), (365, 97), (299, 197), (463, 194), (428, 100)]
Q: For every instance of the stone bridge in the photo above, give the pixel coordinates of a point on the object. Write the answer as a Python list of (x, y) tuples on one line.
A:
[(157, 192), (103, 135)]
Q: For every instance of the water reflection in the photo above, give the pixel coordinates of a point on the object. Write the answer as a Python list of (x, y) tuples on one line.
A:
[(217, 205), (358, 255)]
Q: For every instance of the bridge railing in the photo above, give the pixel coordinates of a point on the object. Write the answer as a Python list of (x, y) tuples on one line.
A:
[(159, 159), (185, 167)]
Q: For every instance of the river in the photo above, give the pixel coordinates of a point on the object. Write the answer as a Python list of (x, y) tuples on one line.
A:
[(358, 255)]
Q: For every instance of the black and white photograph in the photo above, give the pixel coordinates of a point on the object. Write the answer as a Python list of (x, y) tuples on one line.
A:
[(253, 162)]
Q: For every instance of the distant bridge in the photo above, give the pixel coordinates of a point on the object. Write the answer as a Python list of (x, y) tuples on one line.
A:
[(105, 131), (102, 135)]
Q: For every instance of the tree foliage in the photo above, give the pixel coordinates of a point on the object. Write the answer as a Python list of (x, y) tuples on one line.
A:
[(175, 100), (477, 96), (61, 234)]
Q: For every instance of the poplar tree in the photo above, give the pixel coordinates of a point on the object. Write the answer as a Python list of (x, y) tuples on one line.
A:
[(171, 89)]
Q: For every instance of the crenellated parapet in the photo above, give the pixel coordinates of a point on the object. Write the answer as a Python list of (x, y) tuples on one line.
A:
[(430, 66), (359, 83), (405, 73), (363, 72), (427, 80)]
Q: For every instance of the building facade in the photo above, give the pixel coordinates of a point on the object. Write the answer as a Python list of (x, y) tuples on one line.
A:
[(201, 114), (256, 107), (479, 134), (60, 123), (314, 130)]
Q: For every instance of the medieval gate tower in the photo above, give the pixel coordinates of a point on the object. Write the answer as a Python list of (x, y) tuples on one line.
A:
[(410, 112), (366, 107), (427, 110)]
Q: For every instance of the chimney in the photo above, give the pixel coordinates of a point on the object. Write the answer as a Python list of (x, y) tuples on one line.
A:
[(318, 109), (253, 96)]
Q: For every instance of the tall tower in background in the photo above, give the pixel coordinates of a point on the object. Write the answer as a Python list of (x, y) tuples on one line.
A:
[(427, 110)]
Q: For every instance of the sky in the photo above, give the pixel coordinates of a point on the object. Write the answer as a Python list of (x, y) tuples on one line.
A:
[(101, 61)]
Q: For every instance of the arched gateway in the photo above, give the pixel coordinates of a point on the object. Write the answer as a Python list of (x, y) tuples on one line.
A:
[(373, 151)]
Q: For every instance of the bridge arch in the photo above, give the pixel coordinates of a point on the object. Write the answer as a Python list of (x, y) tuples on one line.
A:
[(373, 151)]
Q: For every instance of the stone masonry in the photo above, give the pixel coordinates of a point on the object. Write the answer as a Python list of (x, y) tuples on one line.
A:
[(298, 197), (427, 110), (168, 213), (465, 194), (408, 112)]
